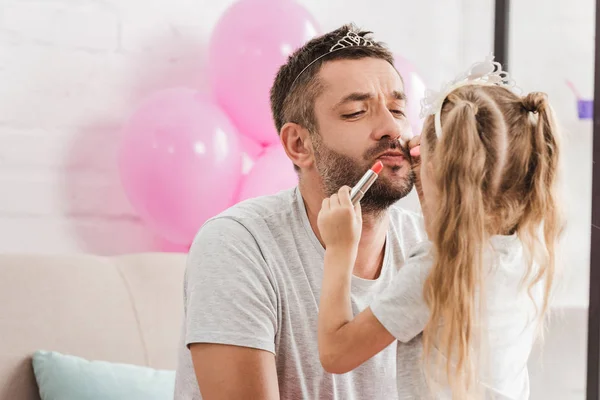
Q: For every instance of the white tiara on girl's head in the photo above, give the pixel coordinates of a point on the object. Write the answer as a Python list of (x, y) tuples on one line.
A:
[(487, 72)]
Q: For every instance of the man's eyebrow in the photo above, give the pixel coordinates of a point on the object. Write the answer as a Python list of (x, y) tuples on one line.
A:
[(363, 96), (398, 95), (356, 96)]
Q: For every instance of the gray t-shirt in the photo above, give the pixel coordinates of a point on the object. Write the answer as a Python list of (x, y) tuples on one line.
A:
[(510, 327), (253, 279)]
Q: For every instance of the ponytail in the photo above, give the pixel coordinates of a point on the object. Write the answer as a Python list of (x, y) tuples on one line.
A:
[(458, 235), (541, 205)]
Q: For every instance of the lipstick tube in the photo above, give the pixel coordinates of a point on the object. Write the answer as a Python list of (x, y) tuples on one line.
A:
[(359, 190)]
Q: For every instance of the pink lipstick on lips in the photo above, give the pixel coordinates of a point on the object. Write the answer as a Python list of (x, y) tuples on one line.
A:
[(359, 190)]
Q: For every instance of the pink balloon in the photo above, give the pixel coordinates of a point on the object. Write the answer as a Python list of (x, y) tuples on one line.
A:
[(272, 172), (249, 44), (249, 147), (180, 162), (414, 88), (251, 150)]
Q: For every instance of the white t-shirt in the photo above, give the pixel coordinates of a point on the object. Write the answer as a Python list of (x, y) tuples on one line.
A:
[(253, 279), (510, 331)]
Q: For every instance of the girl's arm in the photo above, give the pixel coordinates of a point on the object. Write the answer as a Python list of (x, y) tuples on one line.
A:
[(399, 312), (345, 342)]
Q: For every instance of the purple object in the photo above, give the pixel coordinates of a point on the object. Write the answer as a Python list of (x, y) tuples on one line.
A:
[(585, 109)]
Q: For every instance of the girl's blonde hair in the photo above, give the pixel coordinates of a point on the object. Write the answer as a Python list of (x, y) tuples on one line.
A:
[(496, 165)]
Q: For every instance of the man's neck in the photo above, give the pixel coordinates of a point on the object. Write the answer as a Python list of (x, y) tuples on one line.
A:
[(372, 241)]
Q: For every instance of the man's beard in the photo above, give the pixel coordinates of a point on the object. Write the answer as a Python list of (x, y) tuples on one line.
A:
[(337, 170)]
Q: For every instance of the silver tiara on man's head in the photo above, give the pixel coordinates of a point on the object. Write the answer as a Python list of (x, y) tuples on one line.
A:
[(351, 39)]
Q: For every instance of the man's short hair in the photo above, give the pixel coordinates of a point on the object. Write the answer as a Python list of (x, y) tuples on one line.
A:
[(296, 104)]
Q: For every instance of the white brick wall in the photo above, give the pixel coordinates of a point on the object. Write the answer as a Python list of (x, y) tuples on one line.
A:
[(91, 26), (71, 72)]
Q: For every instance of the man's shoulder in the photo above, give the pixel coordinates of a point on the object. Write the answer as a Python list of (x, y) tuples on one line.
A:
[(263, 206), (255, 213), (245, 230)]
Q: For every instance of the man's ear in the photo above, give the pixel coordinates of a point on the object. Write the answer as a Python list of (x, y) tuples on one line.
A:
[(297, 144)]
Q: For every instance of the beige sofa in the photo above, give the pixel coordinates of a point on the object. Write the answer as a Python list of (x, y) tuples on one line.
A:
[(128, 309), (120, 309)]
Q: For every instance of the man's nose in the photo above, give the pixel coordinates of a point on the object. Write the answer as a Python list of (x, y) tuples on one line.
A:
[(387, 125)]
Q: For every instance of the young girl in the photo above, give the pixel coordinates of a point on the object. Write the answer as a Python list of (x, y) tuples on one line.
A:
[(466, 307)]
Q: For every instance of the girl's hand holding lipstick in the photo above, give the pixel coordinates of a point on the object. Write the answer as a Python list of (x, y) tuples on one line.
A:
[(340, 223)]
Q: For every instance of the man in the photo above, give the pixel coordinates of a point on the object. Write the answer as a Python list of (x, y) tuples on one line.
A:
[(254, 272)]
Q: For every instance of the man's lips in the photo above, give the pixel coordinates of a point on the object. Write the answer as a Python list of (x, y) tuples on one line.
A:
[(390, 157)]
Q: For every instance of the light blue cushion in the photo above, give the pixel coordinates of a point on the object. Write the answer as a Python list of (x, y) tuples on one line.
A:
[(65, 377)]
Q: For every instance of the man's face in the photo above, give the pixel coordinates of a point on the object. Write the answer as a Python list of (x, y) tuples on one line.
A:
[(361, 115)]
